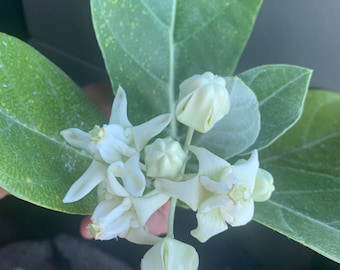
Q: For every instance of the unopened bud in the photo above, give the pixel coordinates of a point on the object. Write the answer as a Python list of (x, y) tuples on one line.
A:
[(263, 186), (203, 100), (164, 158)]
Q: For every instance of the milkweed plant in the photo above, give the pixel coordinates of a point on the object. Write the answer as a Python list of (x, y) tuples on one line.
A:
[(184, 131)]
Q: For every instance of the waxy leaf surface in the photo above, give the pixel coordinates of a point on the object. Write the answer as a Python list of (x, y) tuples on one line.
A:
[(37, 101), (281, 91), (305, 165)]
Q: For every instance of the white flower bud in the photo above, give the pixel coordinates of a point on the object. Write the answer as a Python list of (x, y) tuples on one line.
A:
[(203, 100), (164, 158), (263, 186), (170, 254)]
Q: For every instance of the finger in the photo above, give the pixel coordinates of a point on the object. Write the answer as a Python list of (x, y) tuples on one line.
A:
[(158, 222), (83, 228), (3, 193)]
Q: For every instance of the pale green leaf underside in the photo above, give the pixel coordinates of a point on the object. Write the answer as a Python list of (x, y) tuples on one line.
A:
[(37, 101), (305, 165), (281, 92), (151, 46), (239, 128)]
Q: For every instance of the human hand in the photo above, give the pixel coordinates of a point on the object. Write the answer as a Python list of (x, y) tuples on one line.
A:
[(3, 193)]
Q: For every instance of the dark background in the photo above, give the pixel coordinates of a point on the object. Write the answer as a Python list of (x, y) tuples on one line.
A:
[(300, 32)]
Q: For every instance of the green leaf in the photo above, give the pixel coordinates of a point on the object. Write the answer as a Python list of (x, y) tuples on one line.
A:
[(151, 46), (281, 92), (305, 165), (37, 101), (239, 128)]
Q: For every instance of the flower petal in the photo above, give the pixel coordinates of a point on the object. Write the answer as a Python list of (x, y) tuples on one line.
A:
[(119, 109), (246, 171), (113, 184), (95, 174), (170, 254), (144, 132), (189, 191), (208, 225), (77, 138), (213, 202), (241, 213), (140, 236), (112, 218), (115, 144), (106, 208), (132, 176), (146, 206), (209, 163), (214, 186)]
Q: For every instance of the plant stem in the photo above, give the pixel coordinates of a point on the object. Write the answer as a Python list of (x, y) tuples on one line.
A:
[(171, 219), (188, 139), (173, 201)]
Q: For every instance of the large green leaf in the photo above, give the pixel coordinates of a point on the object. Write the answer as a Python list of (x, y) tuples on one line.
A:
[(151, 46), (305, 165), (281, 92), (37, 100)]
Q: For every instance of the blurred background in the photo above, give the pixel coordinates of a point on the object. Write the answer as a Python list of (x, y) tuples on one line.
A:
[(298, 32)]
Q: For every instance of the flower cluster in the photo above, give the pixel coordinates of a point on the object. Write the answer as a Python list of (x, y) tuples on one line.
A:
[(124, 165), (123, 209)]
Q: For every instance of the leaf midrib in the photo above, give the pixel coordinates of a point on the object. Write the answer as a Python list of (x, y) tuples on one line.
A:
[(302, 215), (279, 90), (301, 147), (62, 144)]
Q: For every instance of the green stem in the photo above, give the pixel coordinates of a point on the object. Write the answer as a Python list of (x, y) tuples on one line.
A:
[(173, 201), (188, 139), (171, 220)]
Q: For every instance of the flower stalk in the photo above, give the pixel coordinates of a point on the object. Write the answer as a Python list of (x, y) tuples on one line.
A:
[(171, 220)]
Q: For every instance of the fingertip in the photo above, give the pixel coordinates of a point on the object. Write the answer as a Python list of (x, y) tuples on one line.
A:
[(84, 232), (3, 193)]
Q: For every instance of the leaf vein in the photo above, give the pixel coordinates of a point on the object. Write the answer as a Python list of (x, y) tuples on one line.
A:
[(128, 53), (302, 147), (202, 26), (52, 139), (153, 14), (302, 215), (280, 89)]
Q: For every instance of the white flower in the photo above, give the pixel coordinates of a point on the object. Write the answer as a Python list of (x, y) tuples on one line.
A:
[(116, 142), (170, 254), (264, 184), (222, 193), (131, 176), (119, 139), (123, 215), (203, 100), (164, 158)]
